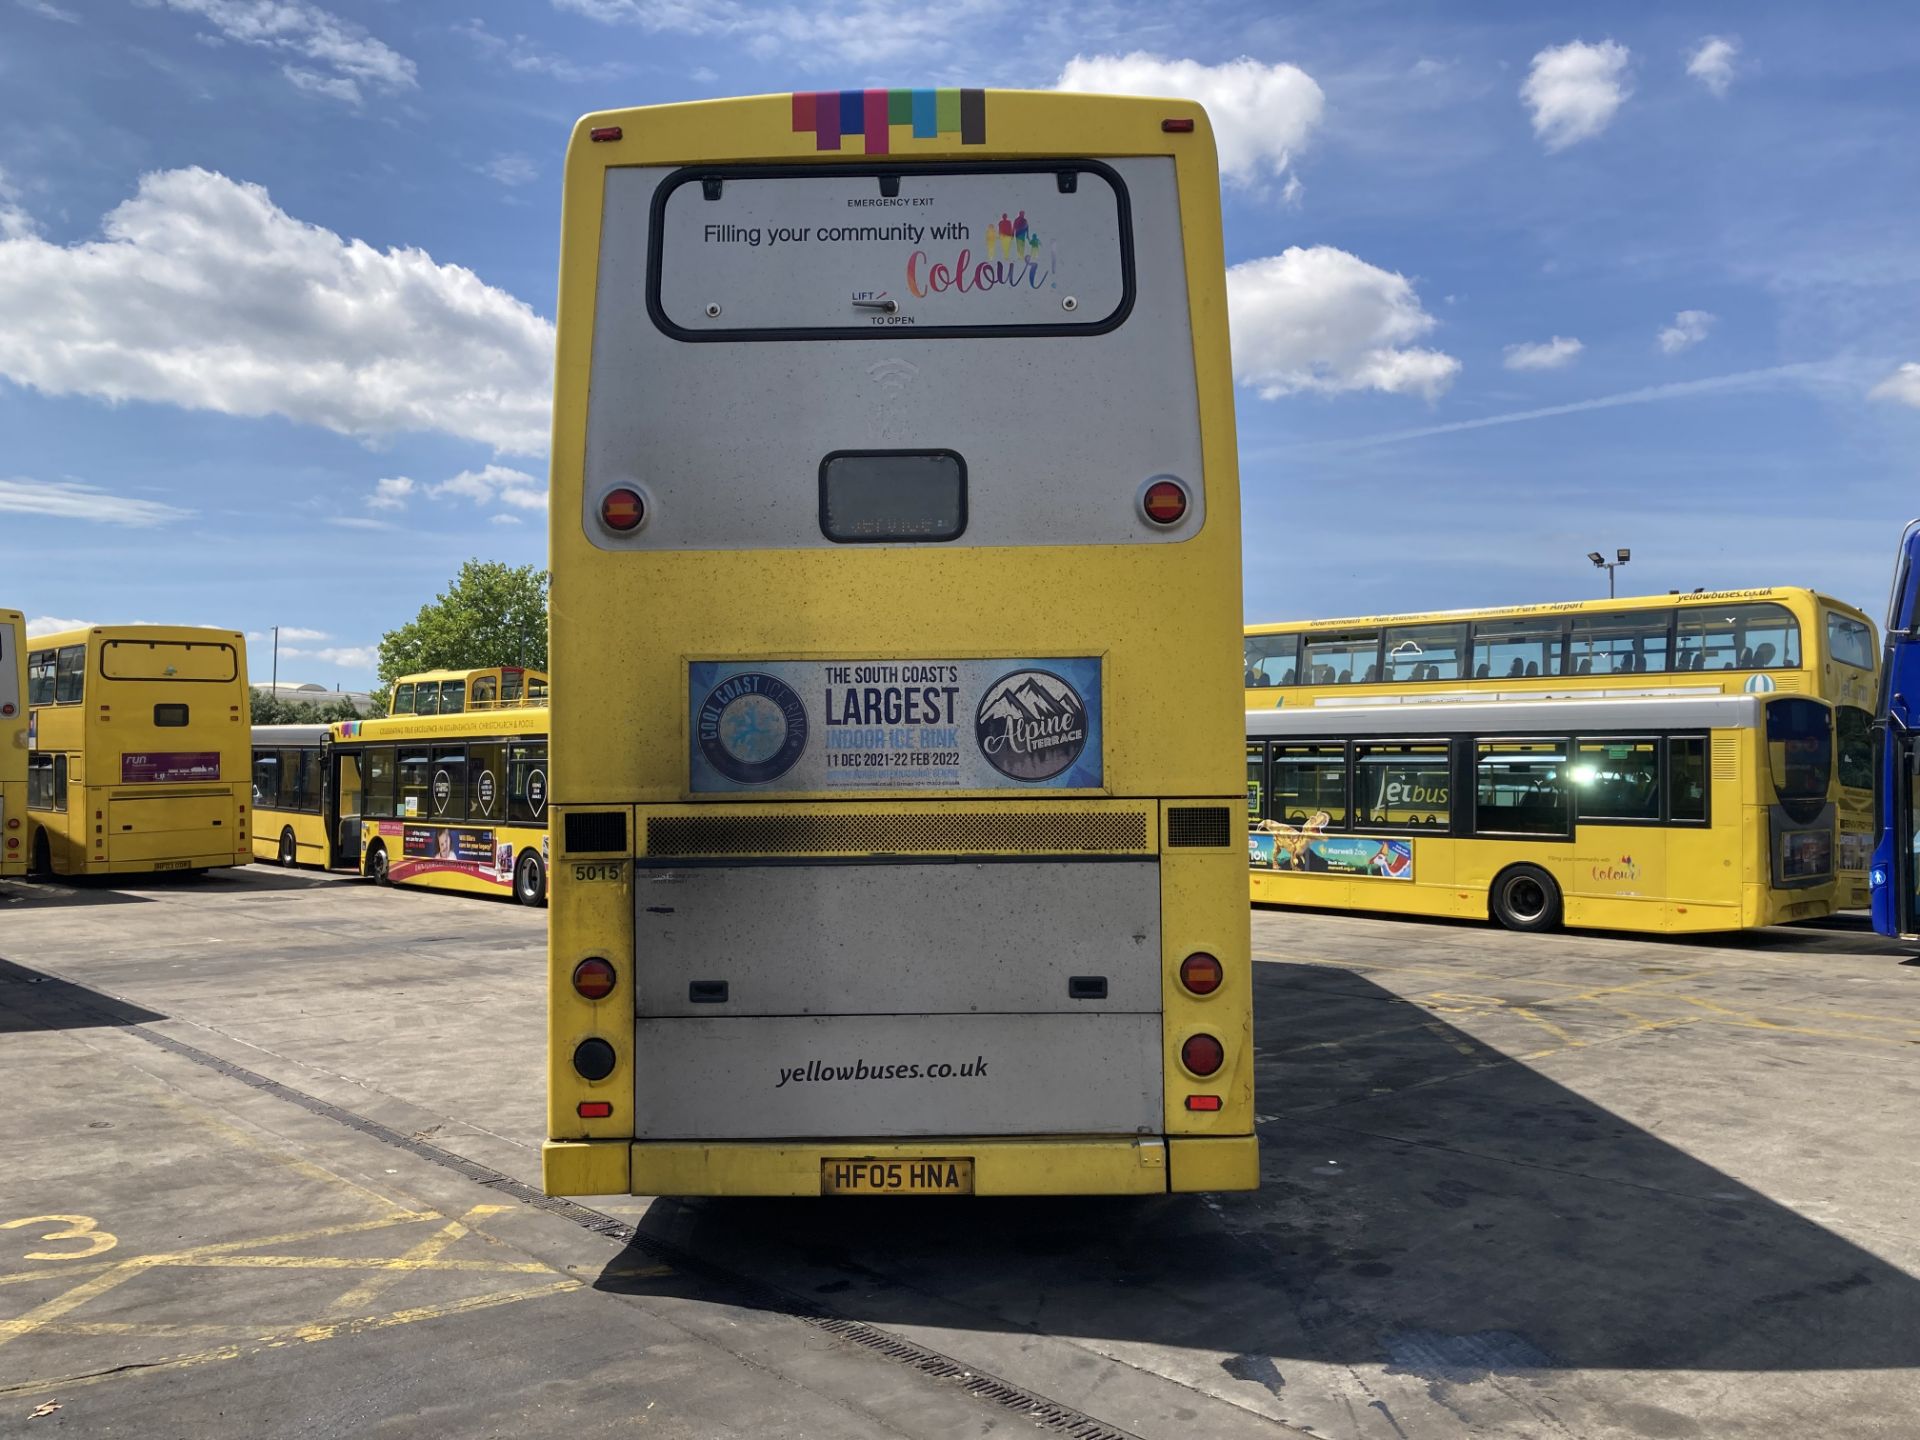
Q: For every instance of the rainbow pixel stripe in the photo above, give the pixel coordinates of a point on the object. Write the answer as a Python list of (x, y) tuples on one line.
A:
[(830, 114)]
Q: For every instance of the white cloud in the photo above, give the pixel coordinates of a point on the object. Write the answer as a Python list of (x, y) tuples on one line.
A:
[(857, 31), (1712, 63), (1554, 354), (69, 500), (359, 522), (512, 169), (1574, 90), (54, 625), (1262, 114), (15, 223), (390, 493), (528, 58), (49, 11), (1322, 319), (505, 519), (496, 482), (297, 633), (1902, 385), (207, 295), (1688, 329), (347, 57), (347, 657)]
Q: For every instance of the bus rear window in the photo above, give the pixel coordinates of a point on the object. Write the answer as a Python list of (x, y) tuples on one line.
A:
[(167, 660), (898, 495), (838, 252)]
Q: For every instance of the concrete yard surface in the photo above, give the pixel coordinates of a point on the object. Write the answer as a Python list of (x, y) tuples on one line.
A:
[(270, 1141)]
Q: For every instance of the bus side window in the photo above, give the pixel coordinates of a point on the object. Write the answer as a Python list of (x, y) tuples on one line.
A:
[(527, 782), (453, 696), (450, 782), (511, 687), (40, 677), (1687, 779), (403, 699), (486, 780), (484, 689), (266, 779), (377, 767), (312, 769), (70, 675), (415, 768), (426, 699)]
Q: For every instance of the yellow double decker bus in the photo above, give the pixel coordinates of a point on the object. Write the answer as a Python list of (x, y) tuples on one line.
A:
[(13, 743), (452, 801), (1777, 639), (137, 750), (1666, 814), (896, 568)]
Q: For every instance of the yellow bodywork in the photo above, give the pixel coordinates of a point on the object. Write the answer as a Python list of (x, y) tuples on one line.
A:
[(13, 743), (140, 795), (1163, 618)]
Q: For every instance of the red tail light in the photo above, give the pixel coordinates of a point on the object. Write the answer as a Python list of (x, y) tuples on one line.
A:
[(1178, 125), (601, 133), (1164, 502), (594, 1109), (622, 510), (1200, 973), (594, 979), (1203, 1102), (1203, 1055)]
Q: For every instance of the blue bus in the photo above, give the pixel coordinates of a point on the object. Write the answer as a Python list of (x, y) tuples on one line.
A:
[(1896, 728)]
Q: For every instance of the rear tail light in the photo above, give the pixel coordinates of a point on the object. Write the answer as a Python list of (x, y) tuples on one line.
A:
[(1164, 502), (1202, 1055), (1200, 973), (593, 1059), (1203, 1102), (594, 979), (1178, 125), (622, 510), (594, 1109), (600, 134)]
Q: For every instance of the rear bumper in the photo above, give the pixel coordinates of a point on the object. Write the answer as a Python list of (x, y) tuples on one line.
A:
[(1145, 1166)]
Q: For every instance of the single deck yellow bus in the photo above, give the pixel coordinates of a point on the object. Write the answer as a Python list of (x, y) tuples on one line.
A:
[(1665, 814), (13, 743), (291, 824), (1778, 639), (451, 801), (137, 750), (896, 572), (450, 692)]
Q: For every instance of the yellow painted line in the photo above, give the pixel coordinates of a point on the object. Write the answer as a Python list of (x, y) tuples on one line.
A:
[(428, 1251), (291, 1237), (301, 1335), (282, 1158), (70, 1300), (1565, 1038), (1739, 1019), (126, 1327), (396, 1264)]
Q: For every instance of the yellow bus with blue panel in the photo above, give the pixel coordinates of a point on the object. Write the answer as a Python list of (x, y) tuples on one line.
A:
[(896, 579)]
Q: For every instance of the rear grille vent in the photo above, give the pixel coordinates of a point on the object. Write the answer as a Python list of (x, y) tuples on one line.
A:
[(597, 832), (1199, 825), (949, 833)]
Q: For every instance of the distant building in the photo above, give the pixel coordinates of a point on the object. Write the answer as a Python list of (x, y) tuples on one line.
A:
[(292, 692)]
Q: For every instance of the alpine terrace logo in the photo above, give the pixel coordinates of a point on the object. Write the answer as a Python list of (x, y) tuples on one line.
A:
[(1031, 725)]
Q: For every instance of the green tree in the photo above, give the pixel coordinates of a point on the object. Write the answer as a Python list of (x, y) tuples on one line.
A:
[(492, 614), (269, 711)]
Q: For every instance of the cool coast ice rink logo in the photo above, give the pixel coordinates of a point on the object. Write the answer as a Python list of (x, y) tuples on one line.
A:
[(1031, 725), (752, 728)]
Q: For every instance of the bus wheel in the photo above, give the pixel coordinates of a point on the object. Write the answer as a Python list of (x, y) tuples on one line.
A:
[(1525, 898), (289, 849), (530, 881), (377, 866)]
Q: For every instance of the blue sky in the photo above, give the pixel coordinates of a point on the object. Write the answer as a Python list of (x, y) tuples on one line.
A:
[(1511, 282)]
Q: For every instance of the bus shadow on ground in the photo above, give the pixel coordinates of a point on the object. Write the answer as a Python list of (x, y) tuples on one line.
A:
[(1426, 1203), (46, 894), (35, 1000)]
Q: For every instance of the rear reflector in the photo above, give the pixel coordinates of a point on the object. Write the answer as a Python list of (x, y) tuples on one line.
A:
[(1203, 1102), (594, 979), (601, 1109), (1202, 1055), (1164, 502)]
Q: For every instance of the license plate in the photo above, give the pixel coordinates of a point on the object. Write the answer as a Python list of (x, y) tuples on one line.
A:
[(896, 1177), (170, 864)]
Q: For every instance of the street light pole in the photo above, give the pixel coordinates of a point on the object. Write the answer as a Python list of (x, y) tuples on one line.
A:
[(1600, 562), (276, 662)]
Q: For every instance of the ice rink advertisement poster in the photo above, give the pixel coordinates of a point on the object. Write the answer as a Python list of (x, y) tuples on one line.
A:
[(814, 726)]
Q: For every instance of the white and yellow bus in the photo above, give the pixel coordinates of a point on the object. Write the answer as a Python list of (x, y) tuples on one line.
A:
[(1780, 639), (13, 743), (896, 573), (1666, 814), (292, 823), (446, 801), (138, 750)]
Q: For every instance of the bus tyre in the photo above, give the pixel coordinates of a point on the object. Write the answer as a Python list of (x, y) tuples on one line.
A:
[(530, 880), (289, 849), (1526, 899), (377, 865)]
